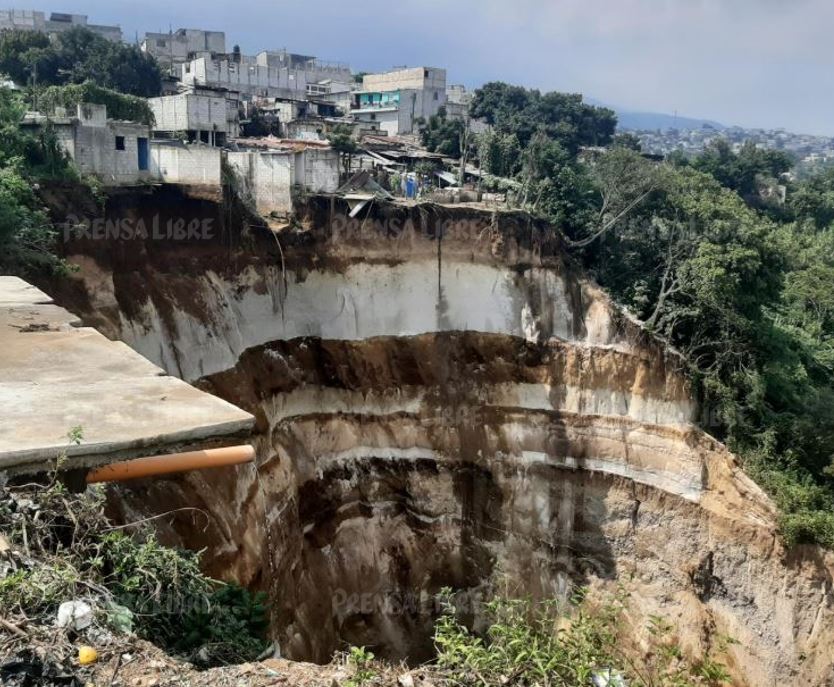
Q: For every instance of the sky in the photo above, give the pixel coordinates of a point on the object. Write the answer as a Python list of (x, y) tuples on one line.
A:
[(755, 63)]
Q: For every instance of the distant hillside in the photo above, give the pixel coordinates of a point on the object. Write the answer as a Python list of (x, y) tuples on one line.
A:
[(650, 121), (657, 120)]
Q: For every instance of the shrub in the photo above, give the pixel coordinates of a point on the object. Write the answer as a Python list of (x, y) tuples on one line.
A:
[(72, 551), (119, 105), (580, 643)]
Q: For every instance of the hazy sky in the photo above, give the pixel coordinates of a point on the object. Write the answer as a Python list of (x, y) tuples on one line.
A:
[(763, 63)]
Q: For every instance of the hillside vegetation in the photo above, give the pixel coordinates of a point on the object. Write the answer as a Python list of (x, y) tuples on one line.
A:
[(708, 256)]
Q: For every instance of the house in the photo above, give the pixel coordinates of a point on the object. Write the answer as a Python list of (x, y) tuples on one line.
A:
[(272, 74), (248, 79), (270, 171), (399, 99), (458, 100), (307, 129), (207, 116), (279, 112), (176, 47), (393, 113), (58, 22), (288, 116), (336, 74), (177, 162), (115, 152)]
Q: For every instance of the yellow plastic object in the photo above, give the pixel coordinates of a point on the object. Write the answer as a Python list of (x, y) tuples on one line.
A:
[(87, 655)]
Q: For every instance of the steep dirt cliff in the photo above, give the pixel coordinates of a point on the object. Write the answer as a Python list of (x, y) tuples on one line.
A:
[(442, 400)]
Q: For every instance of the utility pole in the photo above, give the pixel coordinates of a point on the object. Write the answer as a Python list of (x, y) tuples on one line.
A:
[(464, 147)]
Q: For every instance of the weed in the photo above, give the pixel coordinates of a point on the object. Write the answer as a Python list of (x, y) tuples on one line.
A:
[(360, 661), (572, 644)]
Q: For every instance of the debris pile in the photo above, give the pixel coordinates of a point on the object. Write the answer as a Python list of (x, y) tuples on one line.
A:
[(78, 595)]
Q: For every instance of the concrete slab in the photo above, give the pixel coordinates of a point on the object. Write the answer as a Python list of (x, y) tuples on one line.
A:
[(55, 376)]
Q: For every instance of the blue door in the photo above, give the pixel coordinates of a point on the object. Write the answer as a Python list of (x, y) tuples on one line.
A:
[(142, 146)]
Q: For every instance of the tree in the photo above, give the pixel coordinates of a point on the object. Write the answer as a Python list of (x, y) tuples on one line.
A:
[(498, 153), (261, 124), (562, 116), (499, 103), (124, 68), (622, 180), (342, 141), (26, 236), (813, 199), (77, 56), (746, 171), (21, 52), (444, 136), (747, 300), (627, 140)]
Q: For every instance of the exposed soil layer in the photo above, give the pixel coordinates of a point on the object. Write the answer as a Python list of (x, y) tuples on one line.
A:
[(443, 399)]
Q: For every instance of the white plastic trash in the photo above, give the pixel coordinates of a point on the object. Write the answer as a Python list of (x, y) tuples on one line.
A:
[(77, 615)]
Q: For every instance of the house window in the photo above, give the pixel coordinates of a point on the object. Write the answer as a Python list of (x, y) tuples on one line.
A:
[(160, 43), (425, 73), (373, 115), (435, 95), (120, 142)]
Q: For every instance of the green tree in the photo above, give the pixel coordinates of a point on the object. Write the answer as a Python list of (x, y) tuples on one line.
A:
[(813, 199), (747, 301), (26, 235), (444, 136), (24, 53), (627, 140), (745, 171), (563, 117), (499, 154), (342, 141), (77, 56)]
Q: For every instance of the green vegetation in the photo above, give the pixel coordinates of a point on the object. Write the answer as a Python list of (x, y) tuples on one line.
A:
[(535, 140), (444, 136), (119, 105), (360, 661), (561, 117), (548, 643), (742, 289), (750, 172), (342, 141), (31, 156), (26, 235), (706, 253), (131, 580), (77, 56)]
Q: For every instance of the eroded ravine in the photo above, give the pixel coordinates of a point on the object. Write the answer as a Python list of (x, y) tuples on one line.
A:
[(443, 400)]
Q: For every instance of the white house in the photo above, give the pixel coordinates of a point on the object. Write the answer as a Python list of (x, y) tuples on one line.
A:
[(195, 164), (58, 22), (201, 116), (175, 47), (397, 99), (115, 152), (270, 170)]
